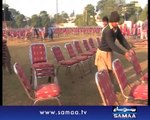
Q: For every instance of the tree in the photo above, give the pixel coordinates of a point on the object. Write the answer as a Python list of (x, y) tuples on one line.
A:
[(107, 6), (64, 15), (35, 21), (144, 14), (59, 18), (20, 21), (89, 13), (79, 21), (133, 11), (45, 20)]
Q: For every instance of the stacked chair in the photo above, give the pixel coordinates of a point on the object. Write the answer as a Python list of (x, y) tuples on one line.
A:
[(42, 92), (87, 47), (79, 50), (62, 62), (40, 67), (73, 55)]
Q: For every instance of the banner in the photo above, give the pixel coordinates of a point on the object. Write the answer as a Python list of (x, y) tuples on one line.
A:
[(74, 112)]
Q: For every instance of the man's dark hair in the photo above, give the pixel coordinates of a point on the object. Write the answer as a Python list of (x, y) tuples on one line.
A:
[(105, 18)]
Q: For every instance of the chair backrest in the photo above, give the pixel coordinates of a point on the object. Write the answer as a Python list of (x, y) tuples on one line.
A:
[(120, 74), (70, 50), (22, 78), (105, 88), (77, 46), (37, 53), (98, 41), (136, 64), (91, 42), (57, 53), (86, 45)]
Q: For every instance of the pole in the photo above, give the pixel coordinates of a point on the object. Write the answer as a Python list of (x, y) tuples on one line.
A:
[(56, 11), (56, 6)]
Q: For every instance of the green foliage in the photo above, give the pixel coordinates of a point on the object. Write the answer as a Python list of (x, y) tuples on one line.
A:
[(79, 21), (35, 21), (107, 6), (59, 18), (45, 20), (144, 14), (20, 21), (64, 15), (88, 15)]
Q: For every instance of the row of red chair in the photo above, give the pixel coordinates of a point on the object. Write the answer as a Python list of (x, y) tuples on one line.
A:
[(77, 30), (75, 59), (40, 67), (26, 32)]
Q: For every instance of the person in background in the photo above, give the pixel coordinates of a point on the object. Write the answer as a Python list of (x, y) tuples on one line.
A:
[(135, 30), (105, 21), (50, 33), (144, 30), (6, 55), (104, 54)]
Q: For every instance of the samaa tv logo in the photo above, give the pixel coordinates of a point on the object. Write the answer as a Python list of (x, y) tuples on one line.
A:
[(124, 112)]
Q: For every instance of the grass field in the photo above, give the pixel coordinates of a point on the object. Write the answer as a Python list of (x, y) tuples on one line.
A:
[(81, 92)]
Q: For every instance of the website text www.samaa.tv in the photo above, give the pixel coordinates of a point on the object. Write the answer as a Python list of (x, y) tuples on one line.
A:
[(63, 112)]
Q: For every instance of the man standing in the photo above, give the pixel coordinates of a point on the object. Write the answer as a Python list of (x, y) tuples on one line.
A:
[(144, 30), (50, 33), (104, 54)]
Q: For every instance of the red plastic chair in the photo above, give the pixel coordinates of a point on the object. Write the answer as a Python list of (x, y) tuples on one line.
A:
[(87, 47), (42, 92), (61, 59), (98, 41), (91, 43), (79, 49), (39, 64), (72, 54), (137, 68), (106, 90), (139, 92)]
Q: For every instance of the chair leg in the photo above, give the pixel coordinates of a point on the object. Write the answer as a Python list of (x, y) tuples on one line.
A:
[(66, 70), (57, 70), (31, 76), (90, 67), (80, 70), (9, 66), (58, 101), (82, 67), (35, 80), (69, 70), (49, 79), (4, 66), (35, 102)]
